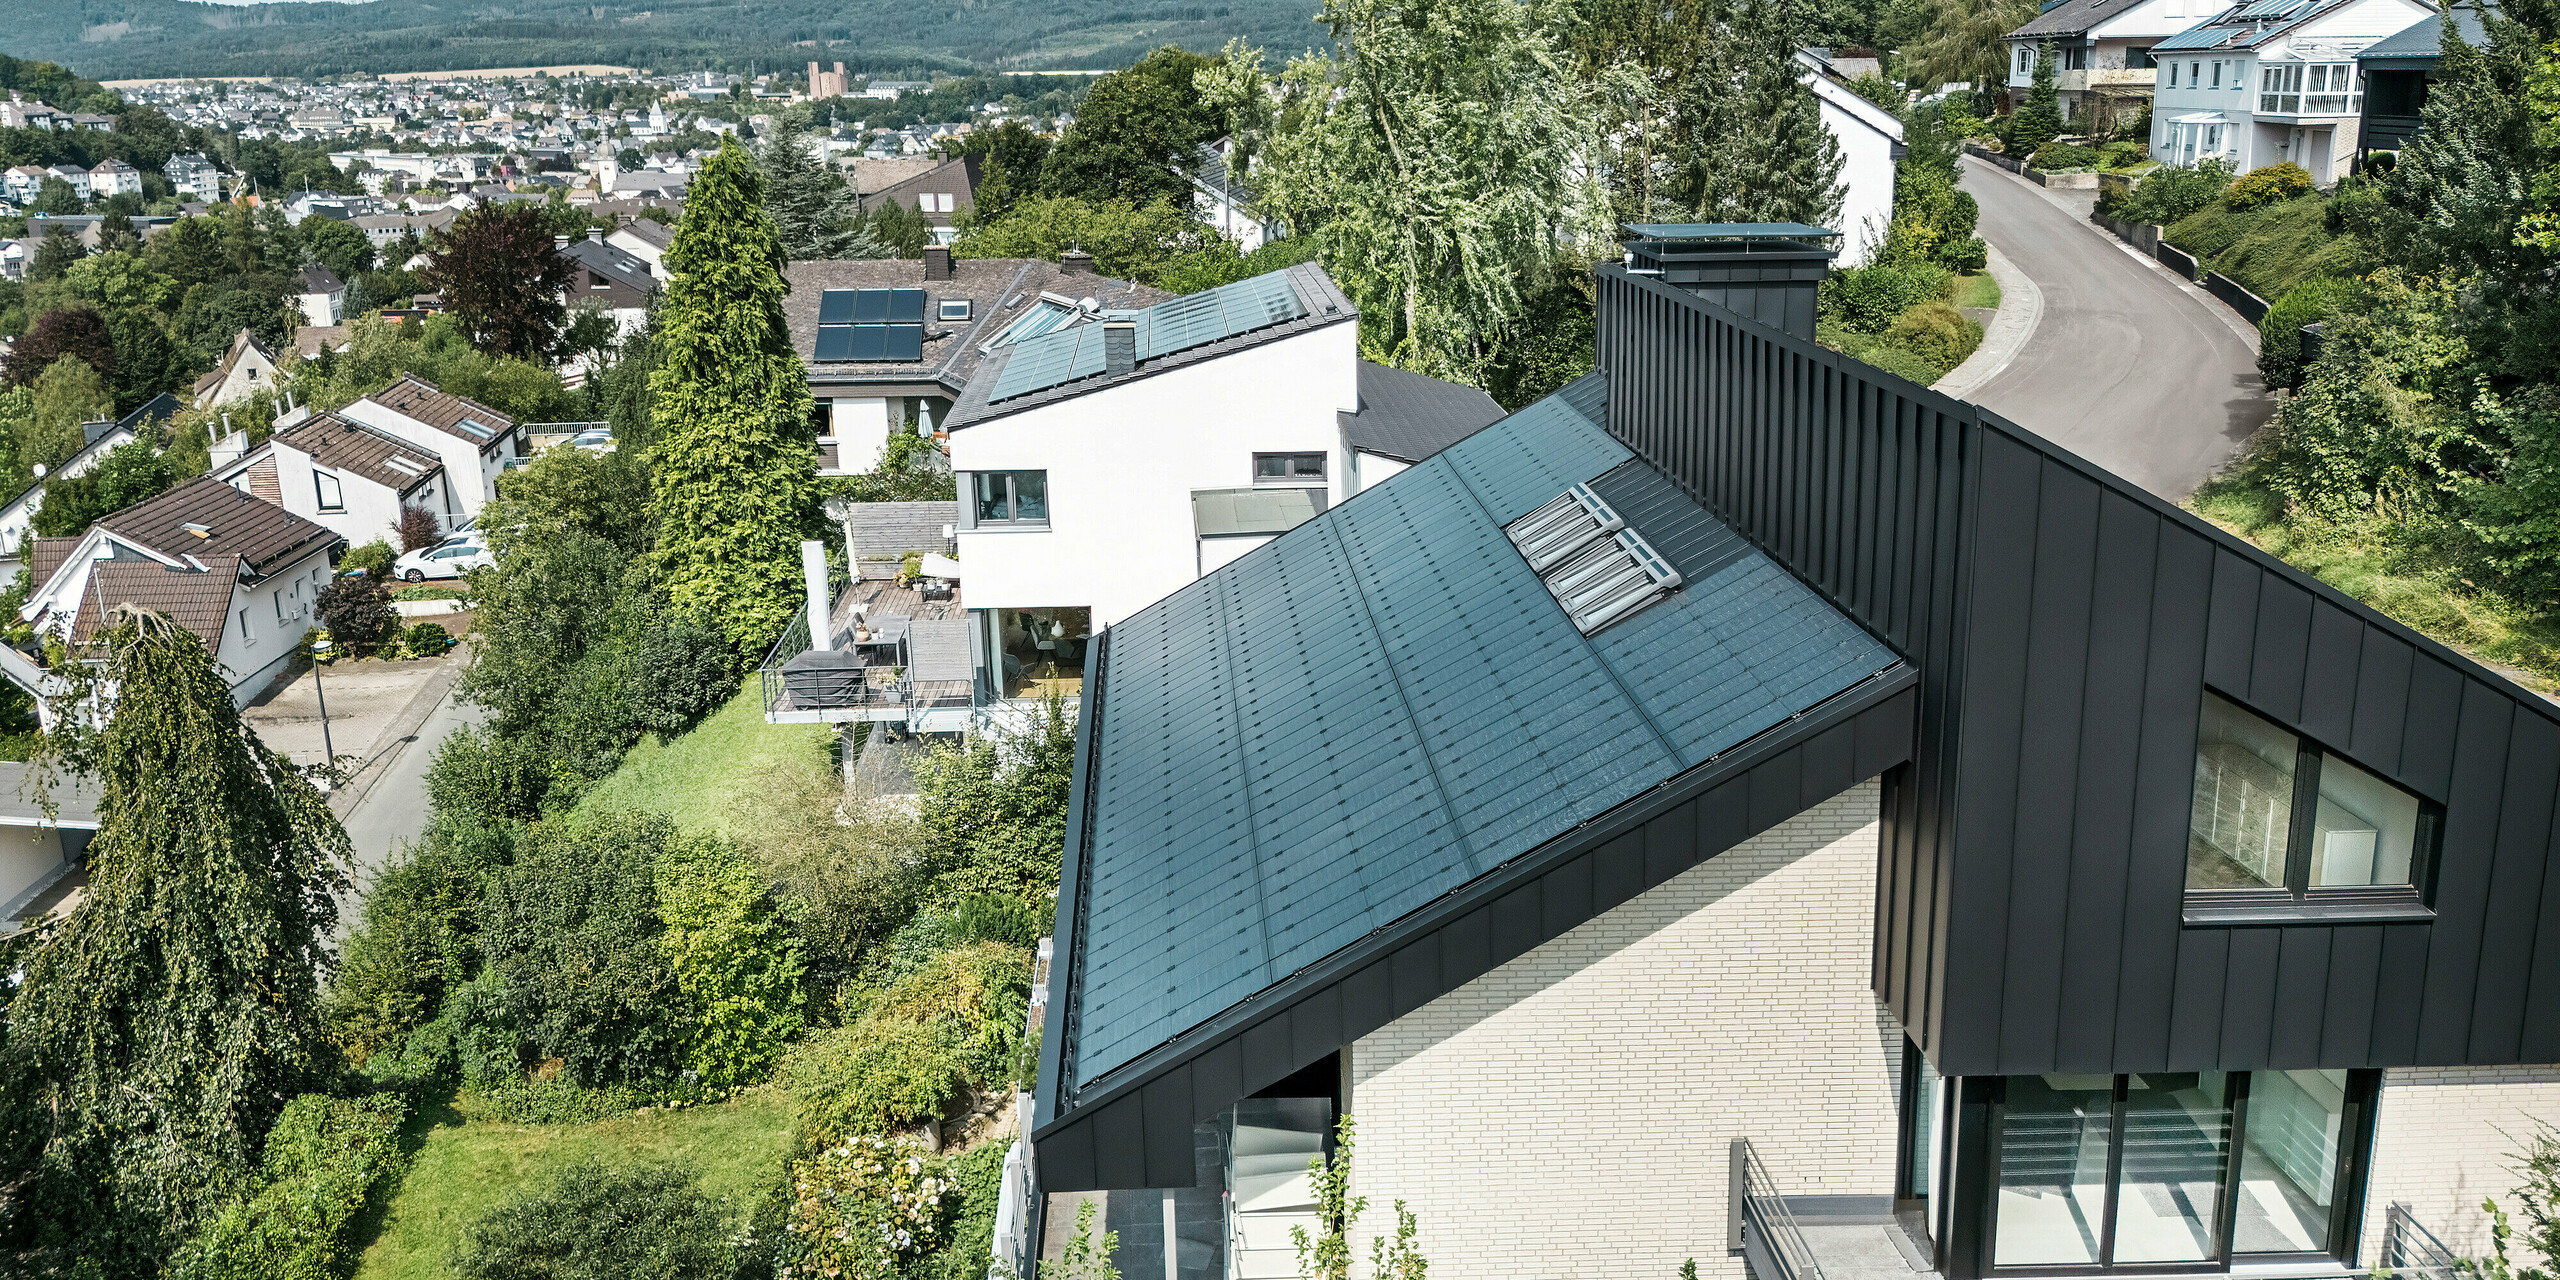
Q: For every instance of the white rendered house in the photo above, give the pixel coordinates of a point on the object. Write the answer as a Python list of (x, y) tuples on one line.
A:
[(2267, 82), (469, 440), (1870, 139), (2101, 52), (354, 479)]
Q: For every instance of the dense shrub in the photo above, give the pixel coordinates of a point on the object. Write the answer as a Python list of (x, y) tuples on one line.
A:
[(374, 557), (994, 813), (2169, 193), (2122, 155), (952, 1023), (357, 612), (519, 1099), (419, 938), (425, 639), (2268, 249), (1937, 333), (1875, 349), (989, 917), (735, 963), (2056, 156), (570, 933), (1968, 255), (2280, 330), (483, 779), (848, 871), (683, 674), (594, 1221), (867, 1208), (977, 1176), (1868, 298), (324, 1159), (2268, 185)]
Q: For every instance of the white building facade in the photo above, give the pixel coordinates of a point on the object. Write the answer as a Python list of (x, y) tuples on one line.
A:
[(2257, 92)]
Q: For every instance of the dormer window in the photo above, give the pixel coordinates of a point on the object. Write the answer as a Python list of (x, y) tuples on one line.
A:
[(2282, 825)]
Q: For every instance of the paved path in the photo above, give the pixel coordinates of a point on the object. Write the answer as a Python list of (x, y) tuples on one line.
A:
[(389, 808), (2129, 366)]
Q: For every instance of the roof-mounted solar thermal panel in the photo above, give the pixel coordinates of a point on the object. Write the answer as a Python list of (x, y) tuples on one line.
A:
[(902, 342), (870, 342), (1562, 525), (835, 306), (835, 342), (871, 306), (1610, 579), (906, 306), (476, 427)]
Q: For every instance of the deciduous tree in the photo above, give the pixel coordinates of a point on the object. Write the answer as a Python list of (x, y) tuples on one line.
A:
[(64, 331), (731, 399), (1136, 133), (499, 271)]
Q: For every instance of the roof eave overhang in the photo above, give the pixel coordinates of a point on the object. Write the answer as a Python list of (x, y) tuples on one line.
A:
[(1132, 1128)]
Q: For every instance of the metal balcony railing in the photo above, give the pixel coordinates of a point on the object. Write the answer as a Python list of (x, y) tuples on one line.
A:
[(1760, 1227), (2409, 1249)]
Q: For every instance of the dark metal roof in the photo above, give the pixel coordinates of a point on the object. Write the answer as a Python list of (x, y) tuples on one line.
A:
[(262, 534), (1409, 417), (1383, 705), (2423, 40), (1323, 301), (2073, 18), (1730, 231)]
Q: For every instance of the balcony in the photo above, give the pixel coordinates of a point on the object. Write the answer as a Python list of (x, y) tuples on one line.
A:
[(894, 655), (2124, 77), (1784, 1237)]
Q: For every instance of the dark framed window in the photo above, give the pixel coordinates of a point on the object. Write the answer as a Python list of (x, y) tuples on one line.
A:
[(2280, 824), (331, 496), (1009, 497), (1284, 467), (2138, 58), (2170, 1171)]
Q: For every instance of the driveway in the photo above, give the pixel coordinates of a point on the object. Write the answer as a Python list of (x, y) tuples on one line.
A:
[(2130, 367)]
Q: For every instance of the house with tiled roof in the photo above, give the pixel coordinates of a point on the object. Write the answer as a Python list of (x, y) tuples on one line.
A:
[(247, 367), (240, 574), (355, 479), (322, 295), (469, 440)]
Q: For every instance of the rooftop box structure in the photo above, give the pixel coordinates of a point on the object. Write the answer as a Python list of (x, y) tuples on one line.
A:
[(1769, 271)]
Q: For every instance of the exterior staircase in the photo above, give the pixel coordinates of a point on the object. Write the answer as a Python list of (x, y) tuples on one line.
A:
[(1270, 1187)]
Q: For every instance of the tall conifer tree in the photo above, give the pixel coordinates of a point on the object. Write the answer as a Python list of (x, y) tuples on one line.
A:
[(155, 1034), (813, 208), (2038, 119), (730, 400), (1757, 151)]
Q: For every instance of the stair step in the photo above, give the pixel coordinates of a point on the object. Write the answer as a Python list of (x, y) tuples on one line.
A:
[(1276, 1162), (1269, 1192), (1271, 1230), (1266, 1264), (1254, 1140)]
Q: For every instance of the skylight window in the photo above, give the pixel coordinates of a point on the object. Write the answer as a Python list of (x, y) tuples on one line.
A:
[(870, 324), (476, 427), (1596, 567)]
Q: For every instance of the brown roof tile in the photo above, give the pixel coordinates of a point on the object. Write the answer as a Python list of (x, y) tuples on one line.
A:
[(45, 556), (999, 289), (197, 601), (418, 398), (342, 444), (261, 533)]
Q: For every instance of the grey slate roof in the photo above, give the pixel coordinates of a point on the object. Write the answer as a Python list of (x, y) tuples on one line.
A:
[(1326, 304), (1409, 417), (998, 289), (1383, 704), (2423, 40), (2072, 18), (75, 797)]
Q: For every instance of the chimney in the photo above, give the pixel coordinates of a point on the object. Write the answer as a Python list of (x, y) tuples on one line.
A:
[(1119, 346), (813, 577), (937, 262), (1075, 262), (559, 242), (595, 235), (839, 73), (1769, 272)]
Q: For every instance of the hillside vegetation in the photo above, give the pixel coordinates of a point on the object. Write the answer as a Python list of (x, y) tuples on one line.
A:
[(118, 39)]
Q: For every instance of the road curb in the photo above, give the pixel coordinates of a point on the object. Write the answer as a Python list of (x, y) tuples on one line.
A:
[(411, 714), (2021, 310), (2223, 314)]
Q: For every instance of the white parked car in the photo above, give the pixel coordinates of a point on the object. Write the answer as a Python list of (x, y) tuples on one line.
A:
[(600, 440), (450, 558)]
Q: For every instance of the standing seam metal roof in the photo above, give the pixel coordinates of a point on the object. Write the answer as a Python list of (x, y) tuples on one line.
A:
[(1384, 704)]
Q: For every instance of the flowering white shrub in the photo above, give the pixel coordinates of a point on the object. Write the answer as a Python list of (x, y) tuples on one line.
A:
[(864, 1208)]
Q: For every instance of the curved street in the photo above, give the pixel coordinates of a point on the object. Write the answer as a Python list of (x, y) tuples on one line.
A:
[(2128, 367)]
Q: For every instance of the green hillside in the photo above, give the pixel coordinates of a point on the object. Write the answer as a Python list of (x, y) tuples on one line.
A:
[(121, 39)]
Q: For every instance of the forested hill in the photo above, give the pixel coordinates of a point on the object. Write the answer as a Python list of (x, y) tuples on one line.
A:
[(119, 39)]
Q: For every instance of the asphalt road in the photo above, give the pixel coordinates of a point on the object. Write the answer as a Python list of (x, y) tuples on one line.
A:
[(394, 810), (2131, 369)]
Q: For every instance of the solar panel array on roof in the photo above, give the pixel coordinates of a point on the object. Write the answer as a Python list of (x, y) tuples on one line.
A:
[(1047, 360), (885, 325), (1385, 703)]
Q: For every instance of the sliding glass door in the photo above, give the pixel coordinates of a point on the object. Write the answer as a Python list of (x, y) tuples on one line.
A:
[(2168, 1171)]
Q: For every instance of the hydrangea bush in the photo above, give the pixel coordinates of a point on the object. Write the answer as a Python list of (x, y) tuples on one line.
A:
[(865, 1208)]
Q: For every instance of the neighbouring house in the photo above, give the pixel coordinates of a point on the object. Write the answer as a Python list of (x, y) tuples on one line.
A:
[(43, 856), (938, 193), (75, 176), (113, 177), (323, 298), (23, 183), (246, 368), (195, 176), (17, 516), (471, 441), (18, 113), (610, 279), (1225, 199), (2398, 69), (354, 479), (2101, 55), (646, 239), (2264, 82), (1870, 139), (1103, 465), (1748, 808), (239, 573), (871, 375)]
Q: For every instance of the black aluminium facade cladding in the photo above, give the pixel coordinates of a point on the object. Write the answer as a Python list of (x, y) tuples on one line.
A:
[(1396, 656), (2066, 625)]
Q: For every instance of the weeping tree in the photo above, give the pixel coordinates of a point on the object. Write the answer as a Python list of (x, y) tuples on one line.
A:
[(813, 208), (1441, 158), (730, 400), (155, 1033)]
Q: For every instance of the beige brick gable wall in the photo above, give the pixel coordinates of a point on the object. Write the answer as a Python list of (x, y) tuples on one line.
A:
[(1568, 1114), (2443, 1140)]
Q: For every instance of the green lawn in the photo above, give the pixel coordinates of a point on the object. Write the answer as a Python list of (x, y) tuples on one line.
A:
[(735, 1148), (1977, 291), (694, 778)]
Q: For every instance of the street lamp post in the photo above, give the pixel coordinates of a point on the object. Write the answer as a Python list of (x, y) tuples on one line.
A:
[(329, 750)]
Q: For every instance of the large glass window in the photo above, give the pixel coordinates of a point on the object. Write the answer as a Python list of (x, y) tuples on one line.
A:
[(1011, 497), (2176, 1169), (2277, 820)]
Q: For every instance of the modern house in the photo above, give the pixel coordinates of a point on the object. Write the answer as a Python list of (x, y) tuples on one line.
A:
[(323, 296), (1749, 808), (1870, 139), (354, 479), (890, 342), (2269, 81), (240, 573), (2102, 54), (938, 193), (2397, 72), (470, 441), (1108, 463), (246, 368)]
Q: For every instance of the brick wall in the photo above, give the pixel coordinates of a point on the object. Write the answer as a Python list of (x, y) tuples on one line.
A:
[(2441, 1144), (1568, 1114)]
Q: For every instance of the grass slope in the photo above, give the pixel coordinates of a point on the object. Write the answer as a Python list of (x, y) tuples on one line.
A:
[(463, 1169), (695, 777), (1977, 291)]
